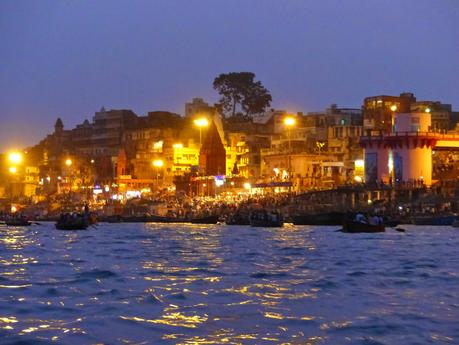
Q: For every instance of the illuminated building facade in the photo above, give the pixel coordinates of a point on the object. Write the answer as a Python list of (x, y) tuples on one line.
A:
[(405, 154)]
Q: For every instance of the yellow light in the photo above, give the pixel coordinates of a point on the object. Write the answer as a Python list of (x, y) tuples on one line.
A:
[(289, 121), (15, 157), (247, 185), (13, 170), (177, 146), (201, 122), (13, 209), (92, 161), (393, 107), (68, 162), (158, 163), (428, 110), (359, 163), (358, 179)]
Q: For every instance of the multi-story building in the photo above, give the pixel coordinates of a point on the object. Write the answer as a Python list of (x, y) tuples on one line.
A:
[(378, 111), (180, 159), (442, 116), (108, 129), (198, 107)]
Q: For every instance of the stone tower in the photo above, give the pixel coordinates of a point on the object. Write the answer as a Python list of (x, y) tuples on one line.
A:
[(212, 156)]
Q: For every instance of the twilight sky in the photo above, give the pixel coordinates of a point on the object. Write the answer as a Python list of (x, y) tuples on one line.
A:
[(69, 58)]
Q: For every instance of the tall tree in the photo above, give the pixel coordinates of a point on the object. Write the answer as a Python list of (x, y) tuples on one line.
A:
[(240, 92)]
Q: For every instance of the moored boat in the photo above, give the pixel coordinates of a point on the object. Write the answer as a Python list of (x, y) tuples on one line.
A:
[(238, 219), (205, 220), (266, 219), (352, 226), (21, 221), (436, 220)]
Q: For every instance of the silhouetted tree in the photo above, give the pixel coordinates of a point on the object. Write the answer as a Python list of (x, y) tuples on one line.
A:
[(239, 91)]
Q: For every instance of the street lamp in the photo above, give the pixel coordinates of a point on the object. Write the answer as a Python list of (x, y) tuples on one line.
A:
[(68, 162), (158, 164), (289, 122), (15, 157), (201, 122)]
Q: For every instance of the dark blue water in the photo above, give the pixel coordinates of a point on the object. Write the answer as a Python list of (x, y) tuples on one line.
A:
[(182, 284)]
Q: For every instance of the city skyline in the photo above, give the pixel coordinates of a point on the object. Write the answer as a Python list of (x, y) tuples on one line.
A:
[(157, 56)]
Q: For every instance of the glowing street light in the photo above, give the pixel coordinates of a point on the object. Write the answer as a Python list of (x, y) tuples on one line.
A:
[(289, 122), (13, 170), (201, 122), (158, 163), (428, 110), (15, 157), (68, 162), (393, 108)]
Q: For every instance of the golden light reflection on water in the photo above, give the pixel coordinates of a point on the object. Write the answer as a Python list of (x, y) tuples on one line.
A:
[(11, 322), (228, 336), (272, 315), (175, 319), (277, 292), (16, 238), (14, 286)]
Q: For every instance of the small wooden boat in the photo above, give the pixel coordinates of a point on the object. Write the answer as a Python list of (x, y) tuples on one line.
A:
[(436, 220), (205, 220), (70, 226), (266, 219), (238, 219), (352, 226), (17, 222), (72, 222)]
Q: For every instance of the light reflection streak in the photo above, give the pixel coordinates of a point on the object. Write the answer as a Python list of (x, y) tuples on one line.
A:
[(272, 315), (176, 319), (280, 292), (14, 286)]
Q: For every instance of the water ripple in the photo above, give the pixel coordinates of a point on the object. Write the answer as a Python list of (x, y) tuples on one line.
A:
[(197, 284)]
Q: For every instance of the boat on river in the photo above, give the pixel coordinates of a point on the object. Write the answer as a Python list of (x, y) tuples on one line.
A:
[(352, 226), (238, 219), (72, 222), (436, 220), (266, 219), (17, 221)]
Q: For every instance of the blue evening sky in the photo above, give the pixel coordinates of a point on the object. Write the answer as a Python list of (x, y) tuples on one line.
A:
[(69, 58)]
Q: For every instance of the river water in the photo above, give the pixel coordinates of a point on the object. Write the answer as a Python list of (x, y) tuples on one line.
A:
[(216, 284)]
